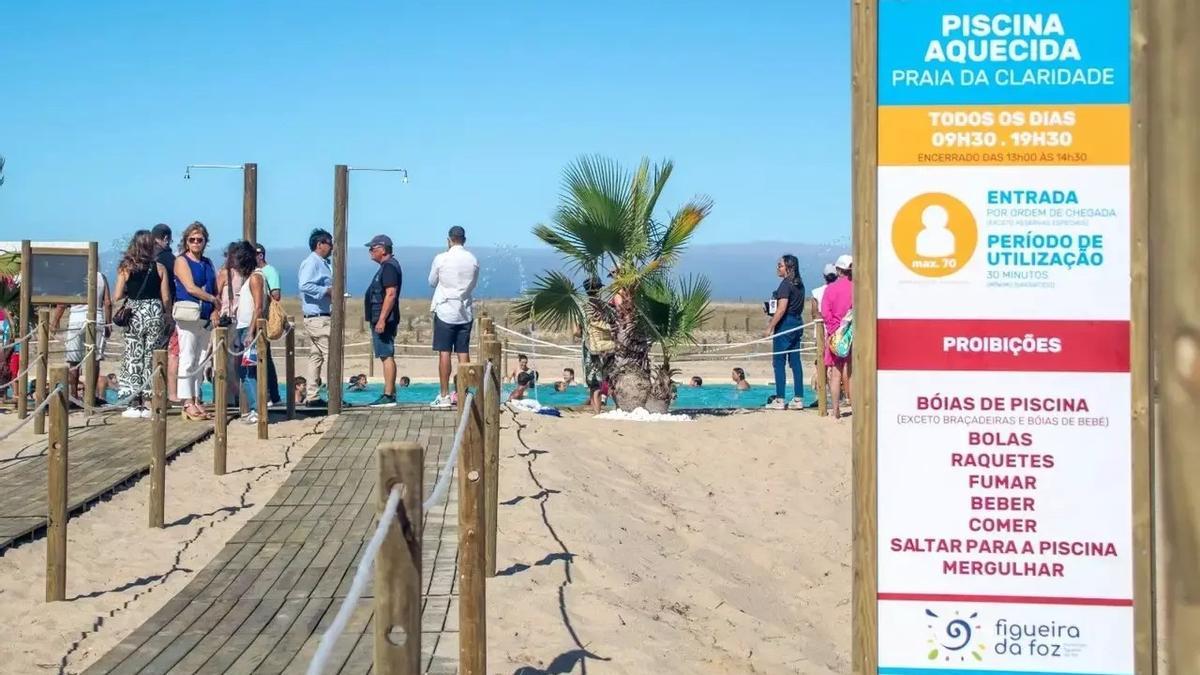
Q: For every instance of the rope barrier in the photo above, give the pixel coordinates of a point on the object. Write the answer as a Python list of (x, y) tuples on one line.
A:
[(729, 357), (358, 585), (28, 366), (17, 340), (533, 340), (32, 413)]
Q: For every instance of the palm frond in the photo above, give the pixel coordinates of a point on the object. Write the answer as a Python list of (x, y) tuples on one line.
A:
[(679, 230), (1, 169), (674, 312), (593, 207), (552, 301), (10, 264)]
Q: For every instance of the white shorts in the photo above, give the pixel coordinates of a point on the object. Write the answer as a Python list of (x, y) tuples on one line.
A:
[(75, 343)]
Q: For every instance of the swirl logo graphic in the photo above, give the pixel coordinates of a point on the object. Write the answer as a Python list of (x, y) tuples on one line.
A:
[(953, 635)]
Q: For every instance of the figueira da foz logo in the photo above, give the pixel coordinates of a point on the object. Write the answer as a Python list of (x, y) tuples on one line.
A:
[(953, 638)]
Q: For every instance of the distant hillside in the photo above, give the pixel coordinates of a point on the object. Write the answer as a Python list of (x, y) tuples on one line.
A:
[(743, 271)]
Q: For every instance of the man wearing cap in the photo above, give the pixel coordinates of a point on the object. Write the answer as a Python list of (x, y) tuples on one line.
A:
[(836, 303), (453, 277), (381, 308)]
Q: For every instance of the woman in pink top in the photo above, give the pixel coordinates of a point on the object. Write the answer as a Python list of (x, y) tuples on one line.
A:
[(836, 303)]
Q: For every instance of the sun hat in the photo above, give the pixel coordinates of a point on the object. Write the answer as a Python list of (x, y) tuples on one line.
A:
[(830, 269), (844, 262)]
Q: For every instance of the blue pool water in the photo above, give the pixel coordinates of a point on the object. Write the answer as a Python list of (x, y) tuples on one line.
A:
[(713, 396)]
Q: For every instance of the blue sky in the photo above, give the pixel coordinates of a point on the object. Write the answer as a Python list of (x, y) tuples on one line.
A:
[(104, 103)]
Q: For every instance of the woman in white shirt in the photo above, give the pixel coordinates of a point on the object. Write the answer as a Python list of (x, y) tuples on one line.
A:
[(251, 306)]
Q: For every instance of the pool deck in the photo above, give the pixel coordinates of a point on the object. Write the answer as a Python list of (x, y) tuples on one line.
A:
[(262, 604)]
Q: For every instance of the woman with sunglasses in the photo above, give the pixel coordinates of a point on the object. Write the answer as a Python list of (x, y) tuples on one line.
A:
[(195, 300)]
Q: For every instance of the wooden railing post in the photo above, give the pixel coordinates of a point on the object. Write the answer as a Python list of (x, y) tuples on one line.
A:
[(56, 463), (289, 367), (398, 566), (158, 438), (221, 400), (261, 367), (490, 347), (43, 363), (472, 604), (822, 371), (90, 368)]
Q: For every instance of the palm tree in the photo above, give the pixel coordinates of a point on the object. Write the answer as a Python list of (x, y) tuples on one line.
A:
[(605, 228), (1, 169)]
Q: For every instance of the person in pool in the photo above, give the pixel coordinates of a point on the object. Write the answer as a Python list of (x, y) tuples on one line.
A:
[(299, 389), (523, 367), (697, 381), (739, 380), (358, 383), (524, 380), (569, 377), (404, 381)]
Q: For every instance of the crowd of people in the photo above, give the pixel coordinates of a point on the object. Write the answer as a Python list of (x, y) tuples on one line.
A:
[(175, 299)]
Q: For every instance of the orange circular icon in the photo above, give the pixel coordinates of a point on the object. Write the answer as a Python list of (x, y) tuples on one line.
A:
[(934, 234)]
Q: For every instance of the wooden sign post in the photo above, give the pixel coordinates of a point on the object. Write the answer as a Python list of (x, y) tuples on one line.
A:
[(1002, 479)]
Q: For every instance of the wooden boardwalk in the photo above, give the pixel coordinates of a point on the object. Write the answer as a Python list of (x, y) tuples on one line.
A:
[(262, 604), (100, 458)]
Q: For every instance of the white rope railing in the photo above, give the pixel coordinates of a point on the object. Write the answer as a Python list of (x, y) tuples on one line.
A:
[(17, 340), (32, 413), (697, 358), (325, 647), (532, 340)]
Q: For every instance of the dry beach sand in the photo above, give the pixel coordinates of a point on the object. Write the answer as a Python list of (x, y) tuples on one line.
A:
[(119, 571), (720, 545)]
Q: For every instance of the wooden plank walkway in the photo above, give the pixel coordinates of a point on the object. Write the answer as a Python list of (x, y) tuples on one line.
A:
[(101, 458), (262, 604)]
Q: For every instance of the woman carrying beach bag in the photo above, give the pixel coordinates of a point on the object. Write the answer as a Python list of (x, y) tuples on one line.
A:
[(143, 292), (837, 303), (195, 300), (251, 307)]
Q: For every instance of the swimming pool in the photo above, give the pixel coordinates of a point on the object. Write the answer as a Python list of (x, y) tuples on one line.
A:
[(711, 397)]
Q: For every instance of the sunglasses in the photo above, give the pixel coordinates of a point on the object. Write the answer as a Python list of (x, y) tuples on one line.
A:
[(196, 240)]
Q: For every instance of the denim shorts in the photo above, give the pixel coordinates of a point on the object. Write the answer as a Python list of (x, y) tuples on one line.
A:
[(384, 343)]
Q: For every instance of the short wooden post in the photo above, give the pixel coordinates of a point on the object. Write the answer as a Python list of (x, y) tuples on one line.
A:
[(43, 362), (822, 371), (398, 566), (221, 400), (56, 463), (747, 325), (158, 438), (472, 604), (289, 367), (490, 348), (263, 397)]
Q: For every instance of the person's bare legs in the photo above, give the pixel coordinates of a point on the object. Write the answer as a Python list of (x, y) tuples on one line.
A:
[(389, 376), (444, 372), (849, 372), (835, 387)]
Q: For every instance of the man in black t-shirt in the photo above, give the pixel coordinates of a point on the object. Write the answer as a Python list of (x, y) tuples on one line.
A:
[(381, 308)]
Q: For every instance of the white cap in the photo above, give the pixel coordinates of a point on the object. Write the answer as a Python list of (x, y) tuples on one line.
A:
[(844, 262), (830, 269)]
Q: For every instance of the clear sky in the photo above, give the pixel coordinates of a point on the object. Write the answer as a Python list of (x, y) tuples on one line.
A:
[(104, 103)]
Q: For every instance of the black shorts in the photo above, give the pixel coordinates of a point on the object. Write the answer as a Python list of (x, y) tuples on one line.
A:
[(451, 337)]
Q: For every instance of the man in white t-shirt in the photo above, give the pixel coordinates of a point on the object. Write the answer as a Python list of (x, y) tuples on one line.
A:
[(453, 277), (76, 347)]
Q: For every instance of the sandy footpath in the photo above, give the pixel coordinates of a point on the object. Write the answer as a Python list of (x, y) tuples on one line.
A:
[(119, 572), (715, 546)]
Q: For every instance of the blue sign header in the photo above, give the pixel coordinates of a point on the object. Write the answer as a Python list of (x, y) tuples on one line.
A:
[(978, 52)]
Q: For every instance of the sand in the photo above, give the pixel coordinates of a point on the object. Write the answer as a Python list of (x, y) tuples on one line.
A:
[(717, 546), (119, 572)]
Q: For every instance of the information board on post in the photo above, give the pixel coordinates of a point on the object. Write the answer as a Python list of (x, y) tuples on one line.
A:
[(1004, 489)]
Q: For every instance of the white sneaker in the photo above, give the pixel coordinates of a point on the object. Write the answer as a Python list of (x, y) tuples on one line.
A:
[(777, 404), (146, 413), (441, 402), (251, 418), (132, 413), (796, 403)]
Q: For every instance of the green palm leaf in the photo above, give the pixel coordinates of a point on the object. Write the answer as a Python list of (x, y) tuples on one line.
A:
[(552, 301)]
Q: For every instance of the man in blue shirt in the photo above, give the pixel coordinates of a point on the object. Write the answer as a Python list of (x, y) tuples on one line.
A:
[(316, 287)]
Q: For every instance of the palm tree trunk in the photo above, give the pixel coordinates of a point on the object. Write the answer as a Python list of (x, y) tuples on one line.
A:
[(659, 400), (631, 380)]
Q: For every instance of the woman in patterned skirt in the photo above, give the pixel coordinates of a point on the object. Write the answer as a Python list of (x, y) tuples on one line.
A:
[(142, 286)]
